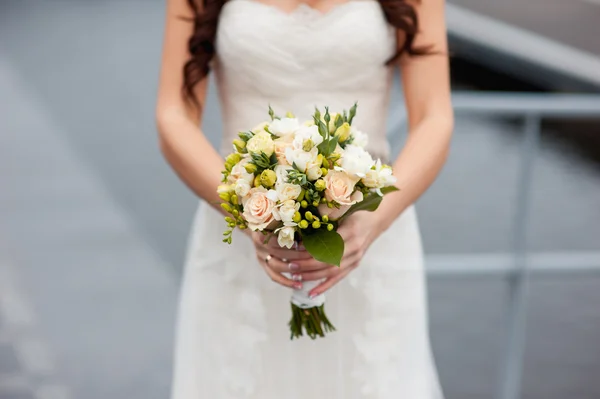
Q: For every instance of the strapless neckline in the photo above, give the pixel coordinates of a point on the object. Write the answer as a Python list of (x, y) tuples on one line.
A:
[(305, 10)]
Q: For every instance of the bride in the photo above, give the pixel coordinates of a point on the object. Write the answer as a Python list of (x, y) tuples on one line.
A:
[(232, 338)]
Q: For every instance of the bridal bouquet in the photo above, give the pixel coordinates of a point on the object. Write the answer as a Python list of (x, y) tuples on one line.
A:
[(298, 182)]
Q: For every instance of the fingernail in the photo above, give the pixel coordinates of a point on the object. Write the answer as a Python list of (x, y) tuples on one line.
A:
[(297, 277), (313, 296), (294, 267), (298, 286)]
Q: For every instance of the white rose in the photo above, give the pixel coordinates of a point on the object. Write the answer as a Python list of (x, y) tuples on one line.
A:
[(340, 188), (284, 126), (258, 209), (379, 177), (301, 158), (242, 188), (285, 238), (286, 211), (261, 143), (356, 161), (307, 133), (288, 191), (280, 146), (360, 138)]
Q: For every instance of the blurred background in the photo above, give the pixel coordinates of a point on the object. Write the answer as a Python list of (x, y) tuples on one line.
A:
[(93, 224)]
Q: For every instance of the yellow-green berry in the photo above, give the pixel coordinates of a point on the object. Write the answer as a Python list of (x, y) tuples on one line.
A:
[(304, 204), (229, 220), (232, 224), (325, 163), (234, 199), (227, 207), (235, 213), (324, 171), (309, 216), (243, 226), (329, 205), (316, 203), (316, 224), (325, 218), (323, 200), (297, 217), (303, 224), (329, 227), (257, 181)]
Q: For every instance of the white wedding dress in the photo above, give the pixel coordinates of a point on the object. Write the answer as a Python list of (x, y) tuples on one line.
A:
[(233, 341)]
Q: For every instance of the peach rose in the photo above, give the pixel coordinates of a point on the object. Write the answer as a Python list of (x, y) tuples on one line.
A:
[(258, 208), (336, 213), (339, 187)]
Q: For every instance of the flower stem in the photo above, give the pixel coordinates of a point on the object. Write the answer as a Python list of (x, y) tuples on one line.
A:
[(313, 320)]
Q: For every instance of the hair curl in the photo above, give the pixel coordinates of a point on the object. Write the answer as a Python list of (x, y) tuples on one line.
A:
[(201, 44)]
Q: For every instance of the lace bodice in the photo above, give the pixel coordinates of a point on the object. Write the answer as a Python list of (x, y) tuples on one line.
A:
[(296, 61)]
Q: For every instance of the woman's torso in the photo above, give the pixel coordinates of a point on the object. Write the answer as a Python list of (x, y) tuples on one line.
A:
[(296, 61)]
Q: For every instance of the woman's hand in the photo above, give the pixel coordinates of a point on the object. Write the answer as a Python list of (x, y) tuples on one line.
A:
[(359, 230), (277, 260)]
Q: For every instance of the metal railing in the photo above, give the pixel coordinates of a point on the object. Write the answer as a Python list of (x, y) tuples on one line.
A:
[(532, 108)]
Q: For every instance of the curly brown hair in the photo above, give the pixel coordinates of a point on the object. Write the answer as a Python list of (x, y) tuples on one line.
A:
[(201, 44)]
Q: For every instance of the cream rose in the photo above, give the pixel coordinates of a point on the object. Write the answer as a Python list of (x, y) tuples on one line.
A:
[(286, 211), (339, 187), (239, 172), (285, 238), (242, 189), (261, 143), (379, 177), (258, 209), (287, 191)]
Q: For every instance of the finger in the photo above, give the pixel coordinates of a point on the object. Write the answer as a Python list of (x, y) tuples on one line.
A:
[(308, 265), (330, 282), (280, 279), (277, 264), (289, 254), (316, 275)]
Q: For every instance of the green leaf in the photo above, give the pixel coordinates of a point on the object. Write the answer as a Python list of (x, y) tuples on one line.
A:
[(325, 246), (369, 203)]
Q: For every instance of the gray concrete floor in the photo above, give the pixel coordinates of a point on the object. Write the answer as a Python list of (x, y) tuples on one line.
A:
[(93, 224)]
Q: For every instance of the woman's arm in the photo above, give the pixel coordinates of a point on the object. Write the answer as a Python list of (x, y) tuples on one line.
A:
[(426, 82), (182, 142)]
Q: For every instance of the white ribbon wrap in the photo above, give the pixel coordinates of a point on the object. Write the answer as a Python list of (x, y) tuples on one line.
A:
[(301, 299)]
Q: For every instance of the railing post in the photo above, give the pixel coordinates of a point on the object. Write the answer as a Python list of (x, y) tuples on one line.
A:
[(518, 280)]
